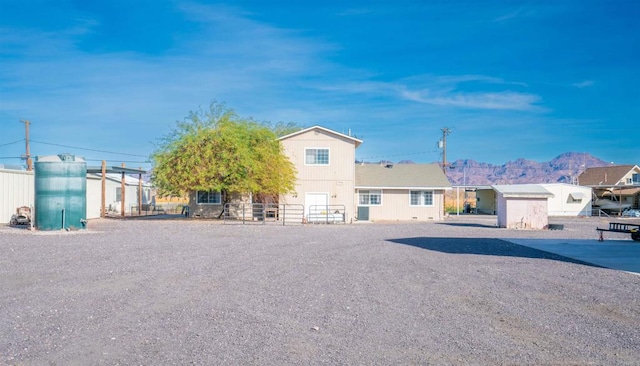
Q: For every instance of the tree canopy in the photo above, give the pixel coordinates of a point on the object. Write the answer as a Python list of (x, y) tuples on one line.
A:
[(216, 150)]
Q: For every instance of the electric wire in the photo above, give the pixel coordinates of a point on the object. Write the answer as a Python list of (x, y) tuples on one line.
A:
[(87, 149), (394, 155), (11, 143)]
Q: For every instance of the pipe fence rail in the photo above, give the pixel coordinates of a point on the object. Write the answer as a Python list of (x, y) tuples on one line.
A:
[(327, 214), (263, 213)]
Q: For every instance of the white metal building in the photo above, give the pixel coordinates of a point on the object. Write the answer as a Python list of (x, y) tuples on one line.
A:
[(113, 194), (16, 190), (569, 199)]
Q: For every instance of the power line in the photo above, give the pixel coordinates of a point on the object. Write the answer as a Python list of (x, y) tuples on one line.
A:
[(394, 155), (83, 148), (11, 143), (122, 161)]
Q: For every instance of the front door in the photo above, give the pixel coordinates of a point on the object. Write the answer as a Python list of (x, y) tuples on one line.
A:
[(315, 203)]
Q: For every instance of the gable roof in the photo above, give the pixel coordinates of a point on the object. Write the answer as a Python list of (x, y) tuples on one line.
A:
[(606, 175), (405, 176), (356, 141), (522, 191)]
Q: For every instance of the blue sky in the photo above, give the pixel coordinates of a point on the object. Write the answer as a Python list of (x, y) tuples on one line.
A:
[(510, 79)]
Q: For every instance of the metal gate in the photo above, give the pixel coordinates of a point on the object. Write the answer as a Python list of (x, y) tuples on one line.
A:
[(263, 213)]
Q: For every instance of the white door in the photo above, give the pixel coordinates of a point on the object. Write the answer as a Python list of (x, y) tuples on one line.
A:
[(315, 202)]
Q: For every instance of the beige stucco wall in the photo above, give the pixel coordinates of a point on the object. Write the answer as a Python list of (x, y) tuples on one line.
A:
[(396, 206), (335, 179), (522, 213)]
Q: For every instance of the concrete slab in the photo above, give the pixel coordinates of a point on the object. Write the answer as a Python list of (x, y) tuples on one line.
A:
[(617, 254)]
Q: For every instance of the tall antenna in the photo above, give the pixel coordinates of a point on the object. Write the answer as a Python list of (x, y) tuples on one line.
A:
[(27, 156), (445, 131)]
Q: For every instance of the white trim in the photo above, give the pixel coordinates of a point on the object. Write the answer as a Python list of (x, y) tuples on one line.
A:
[(355, 140), (206, 203), (317, 148), (405, 188), (421, 203), (369, 204)]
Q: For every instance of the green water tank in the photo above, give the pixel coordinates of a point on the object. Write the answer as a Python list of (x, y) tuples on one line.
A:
[(60, 192)]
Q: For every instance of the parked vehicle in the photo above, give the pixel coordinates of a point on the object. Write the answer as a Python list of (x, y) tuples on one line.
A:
[(631, 213)]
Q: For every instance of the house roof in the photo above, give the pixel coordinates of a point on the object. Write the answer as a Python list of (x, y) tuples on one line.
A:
[(606, 175), (522, 191), (356, 141), (406, 176), (131, 181)]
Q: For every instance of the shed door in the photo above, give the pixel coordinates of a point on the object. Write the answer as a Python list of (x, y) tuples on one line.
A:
[(315, 202)]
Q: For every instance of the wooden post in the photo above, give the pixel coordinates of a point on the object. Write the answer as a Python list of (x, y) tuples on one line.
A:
[(28, 151), (139, 192), (103, 195), (122, 196)]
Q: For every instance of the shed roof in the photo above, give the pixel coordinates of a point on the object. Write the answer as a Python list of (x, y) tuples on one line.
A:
[(128, 180), (406, 176), (522, 191), (356, 141), (605, 175)]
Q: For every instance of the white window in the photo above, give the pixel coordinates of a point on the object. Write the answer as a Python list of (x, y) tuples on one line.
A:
[(316, 156), (118, 194), (370, 198), (208, 197), (635, 178), (421, 198)]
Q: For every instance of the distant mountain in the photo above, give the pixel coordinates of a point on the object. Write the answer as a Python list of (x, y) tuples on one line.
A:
[(564, 168)]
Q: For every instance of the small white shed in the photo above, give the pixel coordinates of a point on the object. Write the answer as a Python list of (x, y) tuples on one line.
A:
[(569, 199), (522, 206)]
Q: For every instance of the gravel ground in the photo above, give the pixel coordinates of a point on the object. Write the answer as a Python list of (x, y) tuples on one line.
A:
[(176, 292)]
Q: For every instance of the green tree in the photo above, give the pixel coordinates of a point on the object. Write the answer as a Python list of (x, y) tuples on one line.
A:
[(216, 150)]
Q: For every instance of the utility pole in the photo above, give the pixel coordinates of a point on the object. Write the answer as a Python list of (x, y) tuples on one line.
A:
[(27, 156), (443, 145), (445, 131)]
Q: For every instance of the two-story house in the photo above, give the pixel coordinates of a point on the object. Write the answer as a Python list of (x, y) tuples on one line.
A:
[(616, 186), (332, 187), (325, 164)]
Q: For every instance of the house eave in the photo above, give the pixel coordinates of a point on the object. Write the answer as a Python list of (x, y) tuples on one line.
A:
[(404, 188)]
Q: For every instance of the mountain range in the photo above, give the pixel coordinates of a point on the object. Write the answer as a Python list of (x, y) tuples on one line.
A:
[(565, 168)]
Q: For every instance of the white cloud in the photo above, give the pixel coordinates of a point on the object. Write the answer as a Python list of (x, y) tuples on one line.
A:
[(499, 101), (446, 91), (583, 84)]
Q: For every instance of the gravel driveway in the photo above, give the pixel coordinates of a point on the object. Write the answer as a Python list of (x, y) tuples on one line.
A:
[(176, 292)]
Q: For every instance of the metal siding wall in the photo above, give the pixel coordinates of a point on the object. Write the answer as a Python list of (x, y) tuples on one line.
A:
[(16, 189), (94, 198), (559, 205)]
